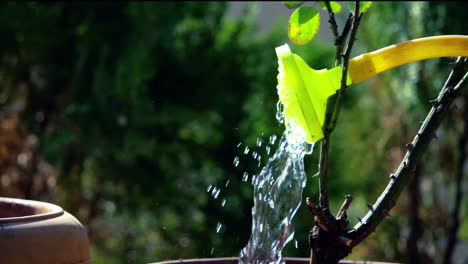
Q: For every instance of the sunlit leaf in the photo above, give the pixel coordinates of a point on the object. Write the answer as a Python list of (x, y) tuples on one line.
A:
[(292, 4), (335, 6), (304, 24), (365, 5)]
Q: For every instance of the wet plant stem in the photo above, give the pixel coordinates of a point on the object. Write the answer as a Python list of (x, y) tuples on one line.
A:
[(324, 150)]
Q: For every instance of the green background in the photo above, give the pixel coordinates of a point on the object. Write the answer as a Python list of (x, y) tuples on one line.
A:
[(125, 113)]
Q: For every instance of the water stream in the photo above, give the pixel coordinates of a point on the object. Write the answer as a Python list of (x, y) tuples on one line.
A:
[(277, 196)]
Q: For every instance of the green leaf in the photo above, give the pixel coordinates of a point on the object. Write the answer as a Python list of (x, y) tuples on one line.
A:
[(304, 24), (292, 4), (335, 6), (365, 5)]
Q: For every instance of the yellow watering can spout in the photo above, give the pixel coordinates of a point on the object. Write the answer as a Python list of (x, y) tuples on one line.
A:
[(304, 91)]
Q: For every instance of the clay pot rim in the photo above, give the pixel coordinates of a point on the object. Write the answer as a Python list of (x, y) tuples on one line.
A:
[(43, 210)]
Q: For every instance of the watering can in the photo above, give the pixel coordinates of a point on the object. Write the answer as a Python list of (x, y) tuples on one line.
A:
[(304, 91)]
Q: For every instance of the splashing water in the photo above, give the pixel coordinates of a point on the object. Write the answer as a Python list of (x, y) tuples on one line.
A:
[(277, 196)]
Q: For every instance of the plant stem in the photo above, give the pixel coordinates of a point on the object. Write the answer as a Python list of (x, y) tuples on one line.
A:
[(330, 123), (415, 150), (324, 150), (344, 207), (334, 29), (326, 238), (341, 92)]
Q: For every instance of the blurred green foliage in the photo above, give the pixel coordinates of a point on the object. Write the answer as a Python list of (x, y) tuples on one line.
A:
[(140, 107)]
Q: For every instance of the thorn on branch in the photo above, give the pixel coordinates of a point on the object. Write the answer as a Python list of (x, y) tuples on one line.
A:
[(405, 164), (344, 206), (360, 220), (371, 207), (392, 176), (409, 146), (434, 102)]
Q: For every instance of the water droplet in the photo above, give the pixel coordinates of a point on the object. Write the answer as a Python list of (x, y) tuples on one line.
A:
[(254, 154), (245, 177), (227, 183), (209, 188), (215, 192), (279, 112), (236, 161), (271, 203), (240, 144), (254, 178), (295, 243), (223, 203), (218, 227), (259, 142), (268, 149), (246, 150), (272, 139), (212, 250)]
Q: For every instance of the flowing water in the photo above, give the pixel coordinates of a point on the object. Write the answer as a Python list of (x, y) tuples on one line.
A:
[(277, 196)]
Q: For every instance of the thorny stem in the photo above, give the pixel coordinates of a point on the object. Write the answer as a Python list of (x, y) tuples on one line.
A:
[(334, 28), (415, 150), (340, 44)]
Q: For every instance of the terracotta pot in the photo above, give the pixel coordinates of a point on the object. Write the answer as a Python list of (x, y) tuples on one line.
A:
[(235, 260), (40, 233)]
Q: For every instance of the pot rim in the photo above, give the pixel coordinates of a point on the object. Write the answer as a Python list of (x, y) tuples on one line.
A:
[(46, 210), (290, 260)]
